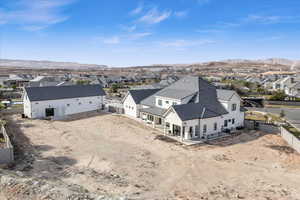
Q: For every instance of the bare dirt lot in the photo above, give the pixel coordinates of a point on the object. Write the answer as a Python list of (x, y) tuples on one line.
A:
[(111, 154)]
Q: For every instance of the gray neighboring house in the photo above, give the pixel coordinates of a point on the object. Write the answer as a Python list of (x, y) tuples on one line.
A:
[(44, 81)]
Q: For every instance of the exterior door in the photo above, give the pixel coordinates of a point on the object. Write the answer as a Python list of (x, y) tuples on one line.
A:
[(176, 130), (49, 112)]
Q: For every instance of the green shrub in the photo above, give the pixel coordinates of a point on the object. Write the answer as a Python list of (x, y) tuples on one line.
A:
[(278, 96)]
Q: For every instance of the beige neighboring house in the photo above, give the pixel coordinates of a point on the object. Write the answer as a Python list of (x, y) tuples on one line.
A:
[(191, 109)]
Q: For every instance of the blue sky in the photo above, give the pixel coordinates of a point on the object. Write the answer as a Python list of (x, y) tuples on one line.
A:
[(142, 32)]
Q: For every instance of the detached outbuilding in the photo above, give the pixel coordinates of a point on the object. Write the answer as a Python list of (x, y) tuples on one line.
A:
[(59, 101)]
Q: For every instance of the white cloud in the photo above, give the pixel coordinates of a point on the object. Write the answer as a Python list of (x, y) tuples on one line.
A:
[(125, 38), (270, 38), (137, 10), (154, 16), (185, 43), (209, 31), (129, 28), (137, 36), (181, 14), (34, 15), (264, 19), (111, 40)]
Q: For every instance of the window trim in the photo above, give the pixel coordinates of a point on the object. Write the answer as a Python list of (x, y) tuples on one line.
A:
[(215, 126), (234, 107), (204, 128), (159, 102)]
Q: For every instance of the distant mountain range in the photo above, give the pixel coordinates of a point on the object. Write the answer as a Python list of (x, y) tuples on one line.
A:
[(48, 64), (294, 64), (274, 61)]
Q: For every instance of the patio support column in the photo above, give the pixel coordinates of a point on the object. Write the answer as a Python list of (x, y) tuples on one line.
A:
[(154, 121), (181, 133)]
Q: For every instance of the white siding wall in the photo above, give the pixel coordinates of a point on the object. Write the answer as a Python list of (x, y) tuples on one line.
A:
[(173, 118), (130, 108), (64, 107), (166, 102), (237, 115), (26, 105), (200, 125)]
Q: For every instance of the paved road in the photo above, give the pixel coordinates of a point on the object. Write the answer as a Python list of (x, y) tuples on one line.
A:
[(291, 114)]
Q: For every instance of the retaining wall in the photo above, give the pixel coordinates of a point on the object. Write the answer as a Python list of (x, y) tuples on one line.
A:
[(7, 152), (293, 141)]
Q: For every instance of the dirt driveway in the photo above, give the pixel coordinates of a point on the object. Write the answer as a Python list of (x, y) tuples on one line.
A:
[(111, 154)]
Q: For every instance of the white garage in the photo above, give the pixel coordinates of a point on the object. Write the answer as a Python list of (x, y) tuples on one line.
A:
[(59, 101)]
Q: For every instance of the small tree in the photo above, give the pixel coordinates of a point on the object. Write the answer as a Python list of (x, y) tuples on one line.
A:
[(282, 114), (266, 118), (114, 88)]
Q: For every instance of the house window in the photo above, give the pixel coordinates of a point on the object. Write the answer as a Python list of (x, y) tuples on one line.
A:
[(159, 102), (174, 103), (196, 131), (191, 129), (150, 118), (233, 107), (233, 121), (37, 103), (90, 102), (68, 105), (215, 126), (225, 123), (167, 102), (167, 124), (79, 103), (204, 128)]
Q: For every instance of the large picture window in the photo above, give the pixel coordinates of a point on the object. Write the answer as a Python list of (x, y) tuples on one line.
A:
[(159, 102), (233, 108), (204, 128)]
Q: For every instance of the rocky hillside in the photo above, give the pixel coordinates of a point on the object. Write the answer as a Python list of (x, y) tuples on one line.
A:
[(48, 64)]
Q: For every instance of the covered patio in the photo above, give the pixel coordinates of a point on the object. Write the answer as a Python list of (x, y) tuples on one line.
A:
[(153, 116)]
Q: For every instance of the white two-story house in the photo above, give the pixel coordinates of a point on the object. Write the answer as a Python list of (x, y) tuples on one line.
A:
[(192, 108)]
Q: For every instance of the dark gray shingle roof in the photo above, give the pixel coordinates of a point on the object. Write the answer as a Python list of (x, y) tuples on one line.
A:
[(63, 92), (192, 111), (139, 95), (154, 111), (186, 87)]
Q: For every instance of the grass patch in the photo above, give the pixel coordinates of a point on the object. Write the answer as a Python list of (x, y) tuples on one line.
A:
[(257, 116), (292, 130)]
